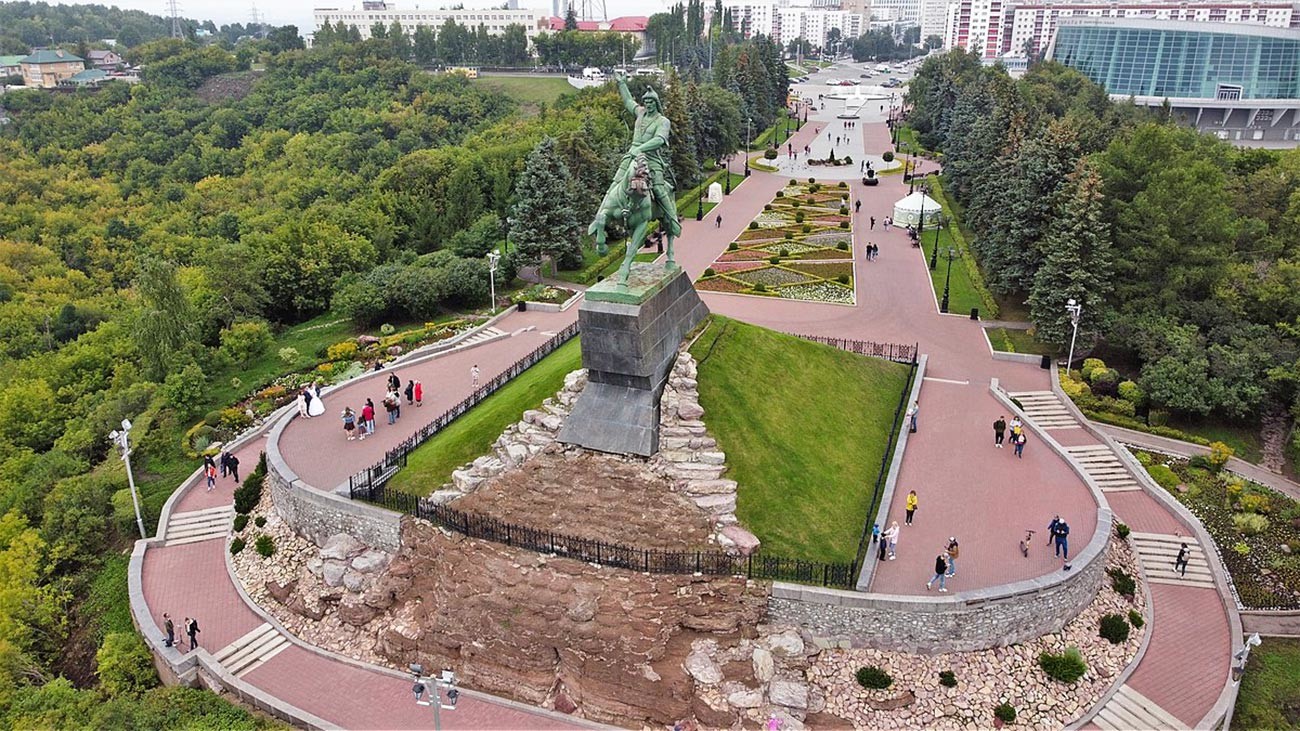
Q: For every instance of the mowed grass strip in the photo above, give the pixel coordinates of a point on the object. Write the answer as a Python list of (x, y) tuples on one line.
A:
[(471, 436), (804, 427), (1270, 689)]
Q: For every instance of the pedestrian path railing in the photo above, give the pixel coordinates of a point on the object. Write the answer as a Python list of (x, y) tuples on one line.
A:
[(395, 458), (897, 352), (689, 562)]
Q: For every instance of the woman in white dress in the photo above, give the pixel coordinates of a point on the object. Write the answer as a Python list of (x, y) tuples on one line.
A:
[(317, 406)]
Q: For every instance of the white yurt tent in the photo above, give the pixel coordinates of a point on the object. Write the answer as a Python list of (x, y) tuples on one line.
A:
[(911, 208)]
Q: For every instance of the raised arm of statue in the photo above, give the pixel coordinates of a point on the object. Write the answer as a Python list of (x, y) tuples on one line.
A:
[(628, 102)]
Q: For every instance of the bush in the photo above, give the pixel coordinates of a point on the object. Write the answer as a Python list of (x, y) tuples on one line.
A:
[(1249, 524), (842, 279), (872, 677), (760, 287), (346, 350), (1105, 381), (806, 227), (709, 272), (1157, 417), (795, 203), (770, 154), (250, 493), (785, 252), (789, 235), (774, 260), (842, 183), (1122, 583), (186, 389), (236, 546), (1144, 458), (241, 522), (842, 246), (812, 181), (767, 206), (1163, 476), (1005, 712), (1090, 365), (1114, 406), (1122, 530), (260, 521), (947, 679), (844, 210), (1114, 628), (844, 224), (888, 156), (244, 341), (1219, 455), (733, 246), (1253, 502), (265, 546), (124, 664), (798, 217), (1064, 668), (1131, 392), (753, 225), (1135, 619)]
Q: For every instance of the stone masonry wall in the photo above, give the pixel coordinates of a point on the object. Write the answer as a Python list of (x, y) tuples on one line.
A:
[(317, 515), (921, 624)]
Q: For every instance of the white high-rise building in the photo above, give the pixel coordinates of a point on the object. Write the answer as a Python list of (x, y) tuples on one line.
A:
[(495, 20), (784, 22), (934, 18)]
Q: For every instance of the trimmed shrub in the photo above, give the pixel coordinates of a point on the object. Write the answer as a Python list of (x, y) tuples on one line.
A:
[(733, 246), (265, 546), (844, 210), (769, 153), (888, 156), (1005, 712), (812, 181), (760, 287), (842, 183), (767, 206), (1163, 476), (1090, 365), (709, 272), (1122, 530), (1122, 583), (842, 246), (870, 676), (1105, 381), (947, 679), (1114, 628), (785, 252), (260, 521), (774, 260), (806, 227), (795, 203), (1131, 392), (798, 217), (789, 235), (1135, 619), (241, 521), (842, 279), (236, 546), (1064, 668), (753, 225), (346, 350), (844, 224), (1219, 455)]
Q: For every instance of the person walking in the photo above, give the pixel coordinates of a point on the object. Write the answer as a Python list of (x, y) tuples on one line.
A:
[(394, 382), (953, 551), (718, 221), (170, 629), (397, 403), (891, 537), (389, 407), (419, 394), (873, 223), (367, 419), (1180, 563), (940, 572), (911, 416), (1051, 529), (233, 462), (911, 505), (349, 422), (223, 462), (473, 375), (210, 473), (1063, 540), (857, 206), (882, 553), (999, 431), (1020, 444), (192, 629), (410, 392)]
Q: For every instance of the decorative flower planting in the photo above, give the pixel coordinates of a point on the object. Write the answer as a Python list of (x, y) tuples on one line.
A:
[(794, 249)]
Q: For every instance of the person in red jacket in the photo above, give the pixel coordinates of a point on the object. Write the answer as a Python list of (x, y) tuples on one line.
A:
[(367, 419), (419, 394)]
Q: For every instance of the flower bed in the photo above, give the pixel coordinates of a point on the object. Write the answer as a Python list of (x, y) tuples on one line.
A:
[(827, 254), (771, 276), (744, 255), (733, 267), (792, 248), (818, 292), (722, 284), (822, 270), (1255, 529)]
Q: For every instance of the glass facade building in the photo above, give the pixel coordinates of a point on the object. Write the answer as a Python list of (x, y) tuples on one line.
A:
[(1182, 60)]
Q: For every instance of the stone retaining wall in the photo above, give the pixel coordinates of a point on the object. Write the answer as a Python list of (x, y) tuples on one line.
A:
[(973, 620)]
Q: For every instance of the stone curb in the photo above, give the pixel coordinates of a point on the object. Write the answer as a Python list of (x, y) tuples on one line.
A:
[(868, 571), (1221, 713), (1004, 355)]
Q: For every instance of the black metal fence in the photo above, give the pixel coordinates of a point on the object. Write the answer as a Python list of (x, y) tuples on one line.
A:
[(395, 458), (896, 352), (707, 562), (883, 473)]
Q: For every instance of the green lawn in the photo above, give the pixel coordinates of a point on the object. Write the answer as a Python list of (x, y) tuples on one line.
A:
[(804, 427), (909, 138), (471, 436), (1270, 690), (976, 294), (689, 210), (528, 90), (962, 295), (1243, 438), (1017, 341)]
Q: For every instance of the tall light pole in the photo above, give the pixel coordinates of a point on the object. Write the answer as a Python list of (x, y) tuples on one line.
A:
[(123, 441), (493, 257), (446, 680), (728, 190), (1075, 309), (943, 306), (748, 123)]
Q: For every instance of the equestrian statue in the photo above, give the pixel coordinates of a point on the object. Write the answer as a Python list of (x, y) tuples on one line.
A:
[(642, 189)]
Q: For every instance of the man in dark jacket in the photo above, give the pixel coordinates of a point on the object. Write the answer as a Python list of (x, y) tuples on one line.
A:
[(999, 431), (940, 571)]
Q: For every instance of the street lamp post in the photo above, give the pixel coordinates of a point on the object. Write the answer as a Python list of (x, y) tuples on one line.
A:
[(748, 123), (1075, 309), (493, 258), (727, 191), (446, 680), (123, 441), (943, 306)]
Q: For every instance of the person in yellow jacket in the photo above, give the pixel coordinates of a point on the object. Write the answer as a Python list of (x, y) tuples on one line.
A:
[(911, 505)]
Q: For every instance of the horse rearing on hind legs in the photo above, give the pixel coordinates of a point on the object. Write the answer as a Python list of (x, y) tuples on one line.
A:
[(635, 205)]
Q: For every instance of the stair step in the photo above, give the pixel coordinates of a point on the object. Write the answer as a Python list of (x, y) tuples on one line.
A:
[(1018, 394), (263, 652), (1126, 488), (1064, 426), (243, 640), (1147, 710), (1089, 448), (219, 510), (194, 539)]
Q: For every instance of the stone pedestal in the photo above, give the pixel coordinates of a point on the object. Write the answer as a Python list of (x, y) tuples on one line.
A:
[(630, 336)]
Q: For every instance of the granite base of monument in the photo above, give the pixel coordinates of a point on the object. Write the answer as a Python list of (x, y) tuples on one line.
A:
[(630, 336)]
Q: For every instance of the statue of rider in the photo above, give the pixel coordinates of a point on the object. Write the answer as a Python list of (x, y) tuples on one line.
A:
[(649, 139)]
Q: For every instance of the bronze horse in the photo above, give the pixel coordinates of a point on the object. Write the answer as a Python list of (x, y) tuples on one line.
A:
[(636, 206)]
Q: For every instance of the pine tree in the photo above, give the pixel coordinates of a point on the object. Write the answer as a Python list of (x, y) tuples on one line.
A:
[(1077, 263), (545, 220), (685, 159), (570, 18)]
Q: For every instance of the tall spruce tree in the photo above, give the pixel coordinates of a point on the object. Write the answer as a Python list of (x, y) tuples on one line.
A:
[(685, 158), (1077, 262), (545, 220)]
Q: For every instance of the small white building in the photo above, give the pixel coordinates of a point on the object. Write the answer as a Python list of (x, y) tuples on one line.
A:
[(917, 207)]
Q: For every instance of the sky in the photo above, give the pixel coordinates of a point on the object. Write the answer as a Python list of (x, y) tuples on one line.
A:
[(299, 12)]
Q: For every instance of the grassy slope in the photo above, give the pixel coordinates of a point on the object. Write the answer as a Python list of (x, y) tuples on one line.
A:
[(472, 435), (1270, 689), (804, 427), (530, 91)]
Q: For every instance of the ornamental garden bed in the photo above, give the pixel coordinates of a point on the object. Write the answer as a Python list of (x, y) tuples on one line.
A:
[(1255, 529)]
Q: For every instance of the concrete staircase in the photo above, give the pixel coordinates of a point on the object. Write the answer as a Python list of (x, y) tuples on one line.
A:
[(1129, 710), (483, 336), (1045, 409), (199, 525), (247, 653), (1157, 552), (1105, 467)]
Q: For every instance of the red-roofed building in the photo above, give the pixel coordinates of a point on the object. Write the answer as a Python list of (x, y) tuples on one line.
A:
[(633, 25)]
